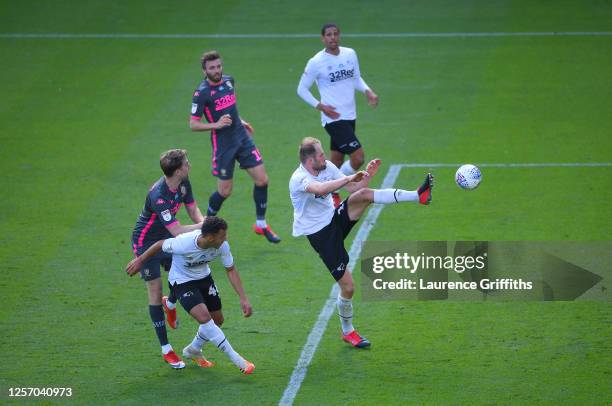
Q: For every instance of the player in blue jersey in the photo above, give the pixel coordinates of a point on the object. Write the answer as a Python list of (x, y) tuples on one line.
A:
[(156, 222), (231, 139)]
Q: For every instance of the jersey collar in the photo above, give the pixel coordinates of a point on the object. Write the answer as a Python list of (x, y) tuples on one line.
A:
[(215, 83)]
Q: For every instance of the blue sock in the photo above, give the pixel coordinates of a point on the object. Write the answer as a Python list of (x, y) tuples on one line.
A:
[(214, 204), (260, 196), (159, 323)]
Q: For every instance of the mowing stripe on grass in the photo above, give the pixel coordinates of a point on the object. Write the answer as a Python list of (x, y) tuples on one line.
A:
[(312, 342), (59, 35), (299, 372)]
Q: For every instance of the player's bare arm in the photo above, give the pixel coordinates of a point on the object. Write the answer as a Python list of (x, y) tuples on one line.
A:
[(194, 213), (234, 278), (371, 169), (133, 267), (323, 188), (177, 228), (197, 125)]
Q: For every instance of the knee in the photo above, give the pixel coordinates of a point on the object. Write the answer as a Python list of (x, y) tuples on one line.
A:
[(336, 157), (203, 318), (225, 190), (154, 289), (363, 195), (262, 181), (357, 159), (218, 319), (347, 290)]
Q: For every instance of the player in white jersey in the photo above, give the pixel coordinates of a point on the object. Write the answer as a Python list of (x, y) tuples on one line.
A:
[(335, 70), (191, 281), (326, 227)]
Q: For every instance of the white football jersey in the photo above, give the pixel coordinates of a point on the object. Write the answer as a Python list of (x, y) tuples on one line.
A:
[(336, 77), (311, 212), (189, 261)]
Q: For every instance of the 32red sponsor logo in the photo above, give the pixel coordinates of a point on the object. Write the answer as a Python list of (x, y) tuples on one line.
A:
[(225, 102)]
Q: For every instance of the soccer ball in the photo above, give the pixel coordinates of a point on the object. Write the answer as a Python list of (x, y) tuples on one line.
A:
[(468, 177)]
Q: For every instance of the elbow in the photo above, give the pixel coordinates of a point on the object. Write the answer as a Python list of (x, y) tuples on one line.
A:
[(314, 190), (302, 90), (193, 125), (320, 191)]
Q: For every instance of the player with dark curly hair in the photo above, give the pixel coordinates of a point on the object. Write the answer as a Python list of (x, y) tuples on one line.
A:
[(192, 283)]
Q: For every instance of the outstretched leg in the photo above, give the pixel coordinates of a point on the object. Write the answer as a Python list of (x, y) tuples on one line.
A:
[(209, 331), (361, 199)]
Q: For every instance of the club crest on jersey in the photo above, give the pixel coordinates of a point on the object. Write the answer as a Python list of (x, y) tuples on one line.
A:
[(160, 201), (183, 190), (194, 108), (166, 215)]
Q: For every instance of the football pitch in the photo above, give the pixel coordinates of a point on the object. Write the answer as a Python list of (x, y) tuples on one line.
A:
[(93, 92)]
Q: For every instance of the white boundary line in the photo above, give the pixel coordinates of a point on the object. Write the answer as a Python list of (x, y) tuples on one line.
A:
[(58, 35), (312, 342)]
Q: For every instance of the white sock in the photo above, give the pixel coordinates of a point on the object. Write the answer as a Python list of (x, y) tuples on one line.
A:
[(166, 349), (347, 169), (199, 340), (170, 305), (212, 333), (261, 223), (388, 196), (345, 311)]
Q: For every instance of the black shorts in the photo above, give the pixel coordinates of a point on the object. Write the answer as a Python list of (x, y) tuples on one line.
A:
[(152, 268), (224, 157), (329, 241), (192, 293), (343, 138)]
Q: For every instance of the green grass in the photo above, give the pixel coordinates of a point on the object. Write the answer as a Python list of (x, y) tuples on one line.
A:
[(82, 123)]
